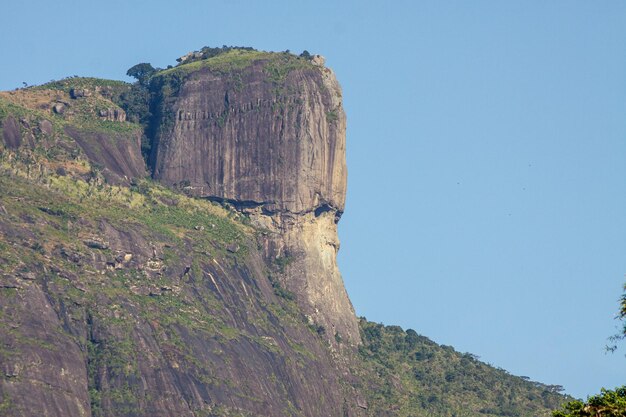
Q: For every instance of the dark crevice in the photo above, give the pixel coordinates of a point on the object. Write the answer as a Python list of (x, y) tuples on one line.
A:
[(238, 204), (322, 209), (241, 205)]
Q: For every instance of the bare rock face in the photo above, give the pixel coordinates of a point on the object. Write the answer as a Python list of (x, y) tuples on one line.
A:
[(77, 93), (304, 246), (11, 133), (246, 138), (113, 115), (119, 319), (119, 155), (269, 138), (48, 368)]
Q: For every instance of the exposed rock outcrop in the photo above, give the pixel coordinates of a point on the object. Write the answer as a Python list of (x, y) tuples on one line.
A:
[(118, 155), (268, 138), (254, 140), (113, 115), (77, 93), (66, 124), (11, 133), (122, 318)]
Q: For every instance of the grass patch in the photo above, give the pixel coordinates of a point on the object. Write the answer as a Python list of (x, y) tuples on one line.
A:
[(91, 83), (83, 113), (236, 59)]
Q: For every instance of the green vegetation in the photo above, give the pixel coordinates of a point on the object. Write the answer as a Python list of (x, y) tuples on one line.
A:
[(84, 113), (414, 376), (609, 403), (279, 290), (209, 52), (118, 360), (142, 72), (282, 262), (109, 87), (234, 59), (282, 64), (231, 60), (6, 405), (332, 116)]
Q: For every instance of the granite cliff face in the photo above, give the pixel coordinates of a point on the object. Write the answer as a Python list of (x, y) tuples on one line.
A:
[(269, 138), (253, 138)]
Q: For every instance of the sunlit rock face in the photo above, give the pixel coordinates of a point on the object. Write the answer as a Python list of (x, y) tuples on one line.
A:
[(269, 138)]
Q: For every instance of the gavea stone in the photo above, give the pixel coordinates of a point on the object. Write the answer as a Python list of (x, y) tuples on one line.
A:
[(270, 139)]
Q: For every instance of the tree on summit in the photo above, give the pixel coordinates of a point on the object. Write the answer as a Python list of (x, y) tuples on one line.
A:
[(141, 72)]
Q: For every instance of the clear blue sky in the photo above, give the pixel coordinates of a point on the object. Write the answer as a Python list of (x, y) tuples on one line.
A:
[(486, 152)]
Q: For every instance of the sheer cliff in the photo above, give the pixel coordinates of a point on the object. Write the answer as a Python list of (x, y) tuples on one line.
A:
[(268, 136), (210, 289)]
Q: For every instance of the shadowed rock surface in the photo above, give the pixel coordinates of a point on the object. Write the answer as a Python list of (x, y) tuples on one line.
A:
[(118, 155), (11, 133)]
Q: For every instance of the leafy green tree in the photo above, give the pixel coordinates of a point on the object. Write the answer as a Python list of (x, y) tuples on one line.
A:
[(622, 312), (609, 403), (141, 72), (621, 315), (412, 339)]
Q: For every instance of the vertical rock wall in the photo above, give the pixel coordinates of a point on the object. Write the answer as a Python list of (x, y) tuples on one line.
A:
[(270, 139)]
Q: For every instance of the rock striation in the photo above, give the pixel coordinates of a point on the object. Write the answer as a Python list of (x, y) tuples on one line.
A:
[(269, 138), (255, 140)]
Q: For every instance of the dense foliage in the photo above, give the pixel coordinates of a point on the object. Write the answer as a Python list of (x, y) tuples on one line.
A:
[(141, 72), (609, 403), (415, 376)]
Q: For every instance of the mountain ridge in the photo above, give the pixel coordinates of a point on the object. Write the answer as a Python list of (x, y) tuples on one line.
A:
[(164, 303)]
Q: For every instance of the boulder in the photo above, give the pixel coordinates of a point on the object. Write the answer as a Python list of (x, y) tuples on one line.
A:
[(58, 108), (76, 93), (11, 133), (45, 127)]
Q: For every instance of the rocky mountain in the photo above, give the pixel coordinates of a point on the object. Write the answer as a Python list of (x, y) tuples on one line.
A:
[(267, 136), (168, 248)]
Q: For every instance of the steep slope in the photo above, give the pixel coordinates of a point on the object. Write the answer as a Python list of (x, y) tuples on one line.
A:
[(121, 297), (406, 374), (123, 303), (75, 117), (140, 300)]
